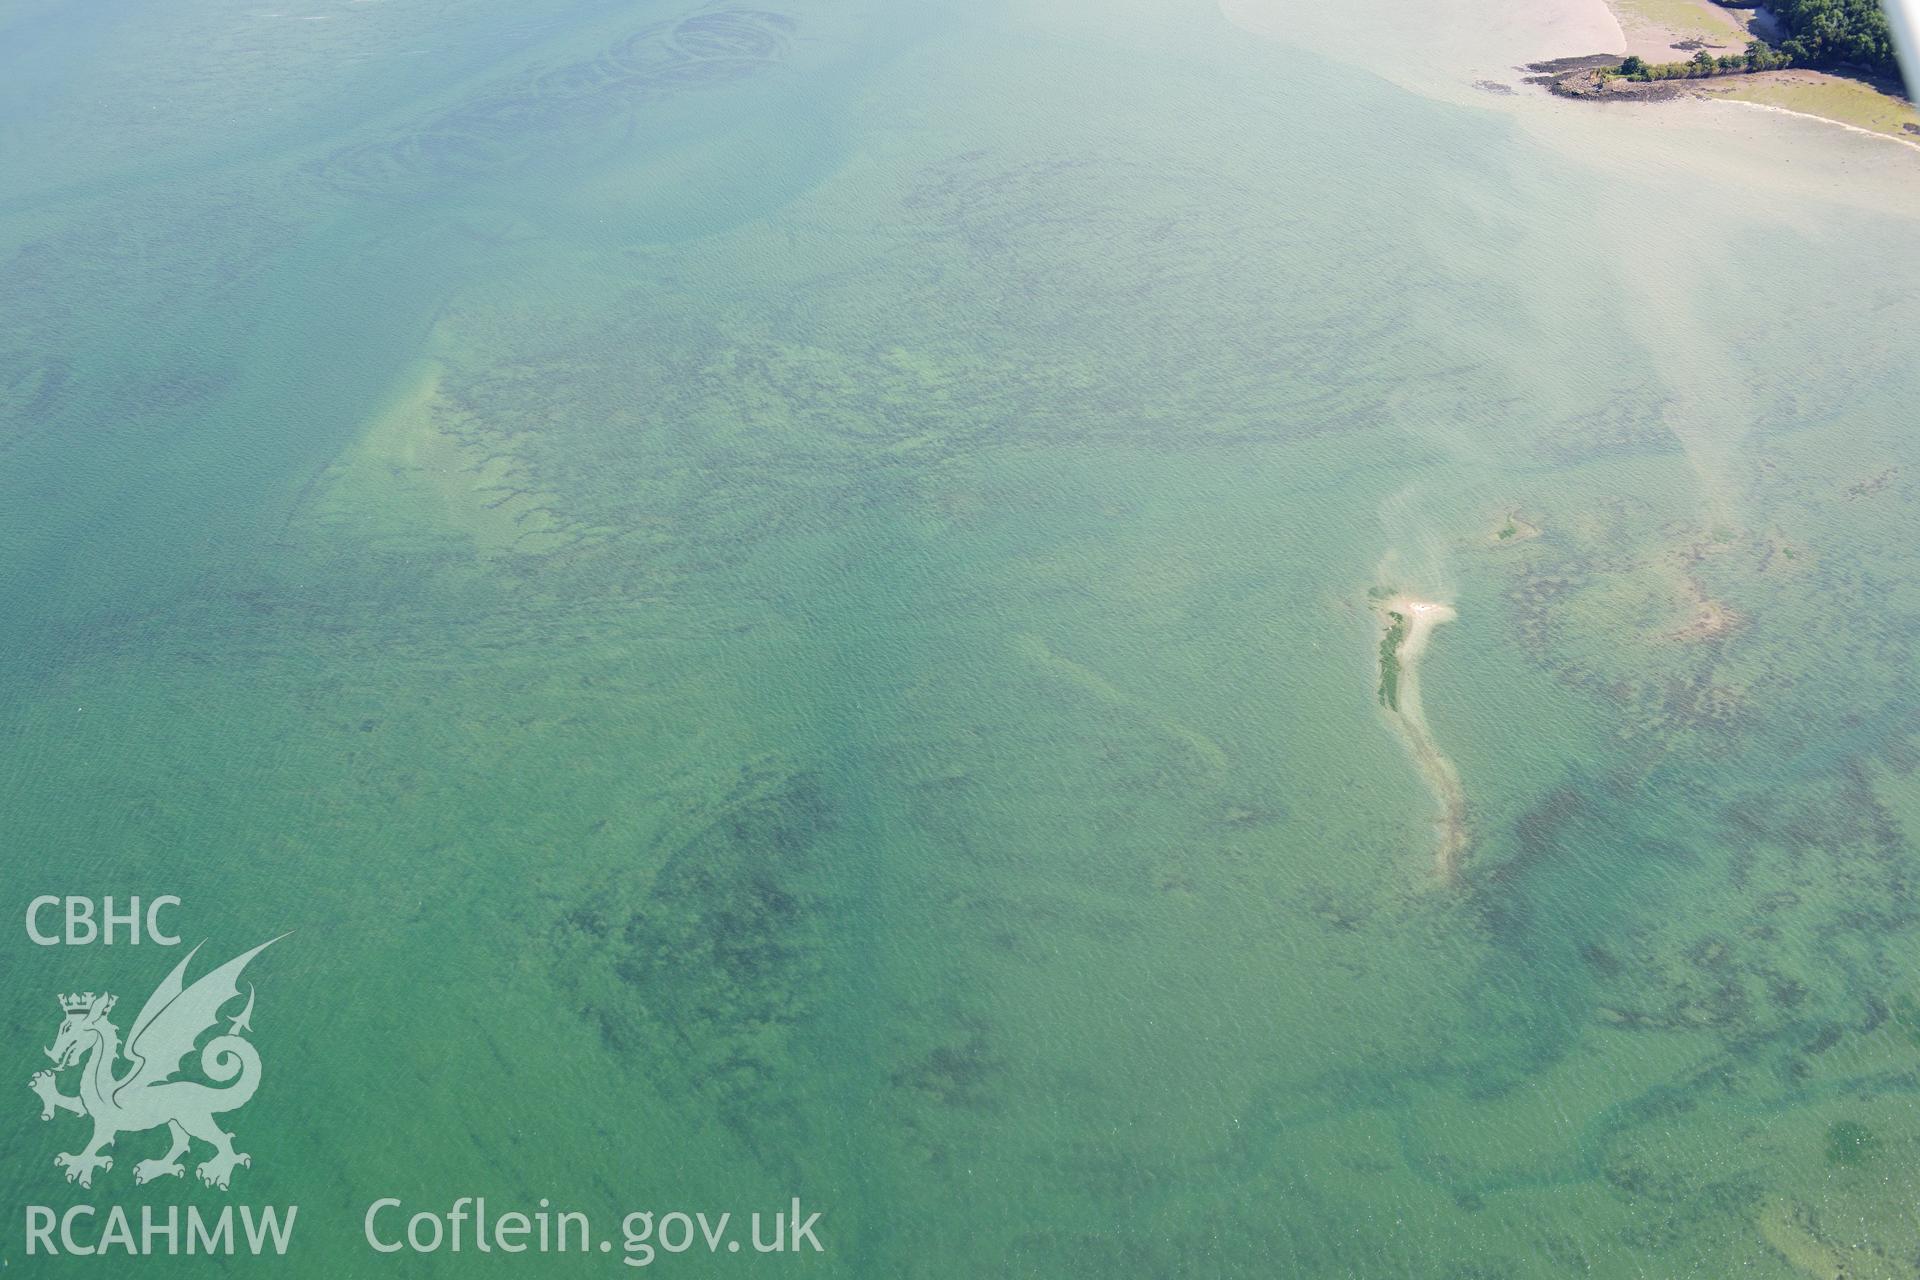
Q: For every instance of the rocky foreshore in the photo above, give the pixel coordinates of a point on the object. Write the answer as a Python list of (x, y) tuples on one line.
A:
[(1583, 77)]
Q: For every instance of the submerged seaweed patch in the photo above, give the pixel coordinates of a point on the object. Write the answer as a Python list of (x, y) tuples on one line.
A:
[(1850, 1143), (958, 1073), (707, 958), (1390, 660), (524, 118)]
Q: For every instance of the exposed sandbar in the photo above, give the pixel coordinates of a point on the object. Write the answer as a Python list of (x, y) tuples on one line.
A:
[(1408, 625)]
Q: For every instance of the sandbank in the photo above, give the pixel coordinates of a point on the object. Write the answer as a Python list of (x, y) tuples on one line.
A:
[(1407, 628)]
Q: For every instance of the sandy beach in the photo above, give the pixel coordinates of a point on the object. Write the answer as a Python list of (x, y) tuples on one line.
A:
[(1670, 30), (1833, 100)]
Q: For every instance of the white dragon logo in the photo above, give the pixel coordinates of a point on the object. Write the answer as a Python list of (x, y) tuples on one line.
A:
[(145, 1096)]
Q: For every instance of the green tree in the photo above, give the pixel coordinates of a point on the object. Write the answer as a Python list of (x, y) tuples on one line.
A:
[(1831, 33)]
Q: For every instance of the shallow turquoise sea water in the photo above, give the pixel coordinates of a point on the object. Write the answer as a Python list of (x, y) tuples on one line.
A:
[(780, 600)]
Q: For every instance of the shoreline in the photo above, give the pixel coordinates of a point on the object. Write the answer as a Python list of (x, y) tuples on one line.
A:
[(1862, 102), (1408, 629), (1876, 134), (1474, 52)]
